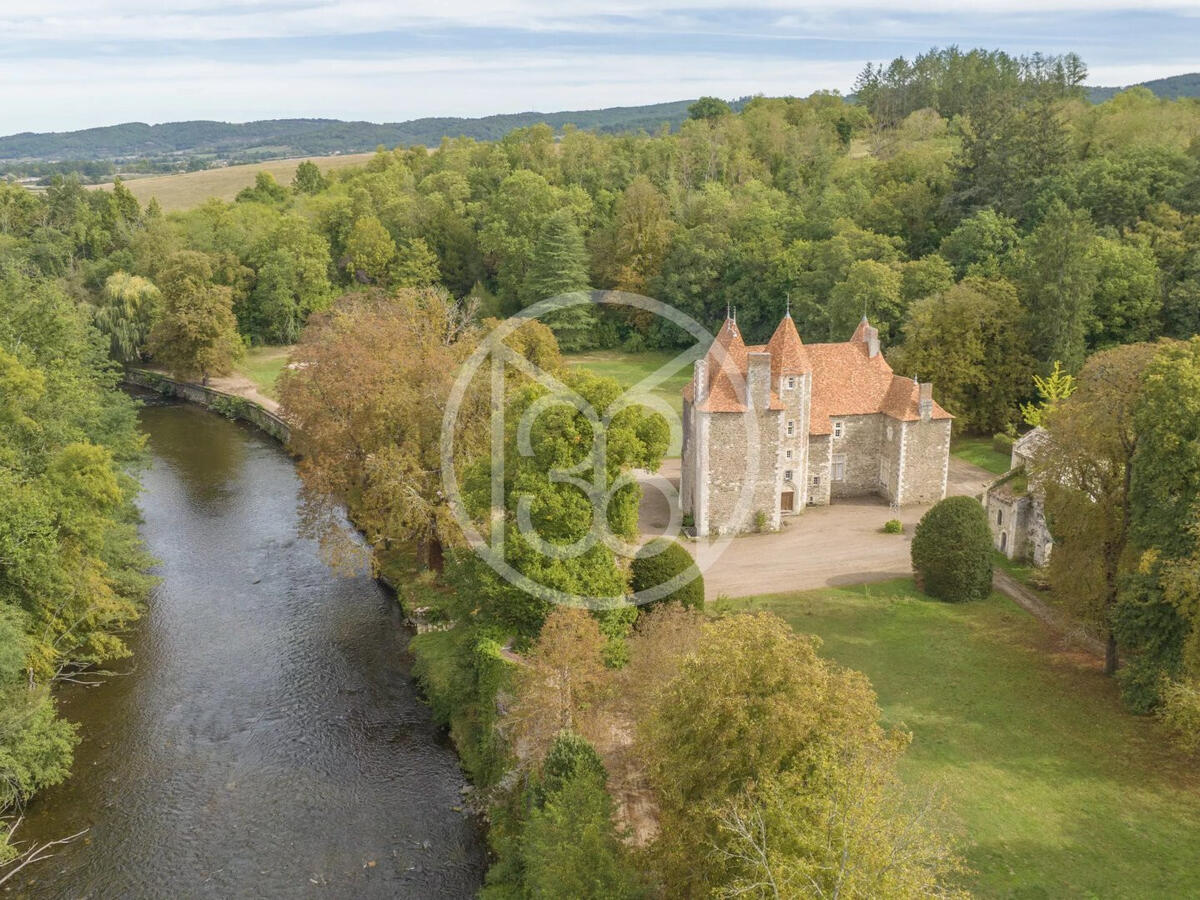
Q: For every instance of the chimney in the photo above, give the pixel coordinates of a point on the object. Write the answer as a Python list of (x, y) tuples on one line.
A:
[(925, 401), (700, 379), (872, 342), (758, 380)]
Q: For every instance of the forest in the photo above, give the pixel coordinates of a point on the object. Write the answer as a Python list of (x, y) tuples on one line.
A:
[(992, 222)]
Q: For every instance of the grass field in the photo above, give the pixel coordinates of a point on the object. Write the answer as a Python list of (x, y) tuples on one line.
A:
[(262, 365), (188, 189), (979, 451), (1060, 792), (630, 368)]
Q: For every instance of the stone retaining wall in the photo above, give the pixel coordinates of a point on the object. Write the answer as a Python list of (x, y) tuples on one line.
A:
[(227, 404)]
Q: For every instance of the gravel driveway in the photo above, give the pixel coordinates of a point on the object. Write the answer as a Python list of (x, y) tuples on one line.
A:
[(824, 546)]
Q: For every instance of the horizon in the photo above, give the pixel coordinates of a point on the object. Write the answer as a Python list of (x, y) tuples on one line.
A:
[(75, 67)]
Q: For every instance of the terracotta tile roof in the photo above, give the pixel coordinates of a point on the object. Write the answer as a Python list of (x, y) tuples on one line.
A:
[(847, 380), (788, 356)]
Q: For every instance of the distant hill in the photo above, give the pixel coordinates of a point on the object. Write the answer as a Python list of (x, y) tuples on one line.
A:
[(311, 137), (1173, 88)]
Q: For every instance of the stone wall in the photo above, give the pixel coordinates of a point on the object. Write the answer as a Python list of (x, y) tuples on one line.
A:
[(729, 442), (926, 461), (240, 407), (796, 403), (1007, 516), (859, 446), (818, 469)]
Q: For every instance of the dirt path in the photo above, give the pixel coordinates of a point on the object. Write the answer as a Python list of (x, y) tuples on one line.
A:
[(1040, 609), (241, 386)]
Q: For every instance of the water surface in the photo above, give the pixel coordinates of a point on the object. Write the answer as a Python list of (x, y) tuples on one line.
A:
[(266, 740)]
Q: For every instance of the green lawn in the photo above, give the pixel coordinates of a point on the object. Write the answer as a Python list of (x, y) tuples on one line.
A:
[(978, 451), (630, 368), (262, 365), (1060, 792)]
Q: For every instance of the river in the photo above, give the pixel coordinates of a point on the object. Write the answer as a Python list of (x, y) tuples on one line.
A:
[(265, 739)]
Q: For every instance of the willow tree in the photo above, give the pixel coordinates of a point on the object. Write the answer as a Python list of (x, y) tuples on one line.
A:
[(129, 305)]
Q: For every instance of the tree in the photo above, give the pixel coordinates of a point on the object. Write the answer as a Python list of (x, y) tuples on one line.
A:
[(751, 711), (559, 262), (952, 551), (266, 190), (127, 312), (658, 562), (970, 341), (415, 265), (707, 108), (872, 289), (1157, 617), (367, 391), (641, 233), (292, 282), (1052, 390), (369, 251), (560, 686), (570, 845), (1127, 303), (308, 178), (1055, 270), (980, 244), (1085, 469), (197, 333)]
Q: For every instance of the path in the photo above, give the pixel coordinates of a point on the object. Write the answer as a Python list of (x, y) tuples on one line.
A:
[(241, 386), (1072, 632)]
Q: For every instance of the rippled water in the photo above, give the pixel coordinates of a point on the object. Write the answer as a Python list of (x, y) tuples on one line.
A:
[(266, 740)]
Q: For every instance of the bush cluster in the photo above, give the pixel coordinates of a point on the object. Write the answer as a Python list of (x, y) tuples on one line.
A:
[(952, 551)]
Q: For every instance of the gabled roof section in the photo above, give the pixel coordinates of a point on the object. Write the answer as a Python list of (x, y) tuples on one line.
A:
[(788, 356)]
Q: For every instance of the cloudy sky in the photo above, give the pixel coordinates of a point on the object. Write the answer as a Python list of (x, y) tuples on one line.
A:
[(69, 64)]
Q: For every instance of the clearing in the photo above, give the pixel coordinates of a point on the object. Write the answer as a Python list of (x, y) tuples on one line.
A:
[(979, 452), (189, 189), (1060, 792)]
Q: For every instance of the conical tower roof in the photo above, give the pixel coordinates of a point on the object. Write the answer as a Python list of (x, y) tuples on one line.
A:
[(788, 356)]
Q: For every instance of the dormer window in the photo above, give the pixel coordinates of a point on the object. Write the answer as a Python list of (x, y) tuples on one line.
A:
[(791, 427), (837, 429)]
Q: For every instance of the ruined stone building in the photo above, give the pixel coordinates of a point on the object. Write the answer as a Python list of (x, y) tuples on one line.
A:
[(769, 430), (1014, 506)]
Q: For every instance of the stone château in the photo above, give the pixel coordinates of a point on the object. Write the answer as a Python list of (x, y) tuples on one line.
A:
[(771, 429)]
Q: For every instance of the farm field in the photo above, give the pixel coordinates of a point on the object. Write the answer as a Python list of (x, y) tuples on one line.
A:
[(1059, 792), (188, 189)]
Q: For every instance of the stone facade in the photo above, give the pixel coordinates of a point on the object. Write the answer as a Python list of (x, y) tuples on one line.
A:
[(1015, 512), (769, 430)]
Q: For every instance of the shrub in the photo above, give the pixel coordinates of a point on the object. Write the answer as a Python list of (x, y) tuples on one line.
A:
[(1180, 713), (952, 551), (688, 521), (660, 561), (1003, 443), (229, 407), (893, 526), (760, 521)]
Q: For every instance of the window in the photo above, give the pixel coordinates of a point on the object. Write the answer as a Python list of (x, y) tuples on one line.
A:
[(838, 472), (889, 432), (787, 474), (791, 381), (885, 471), (787, 454), (999, 517), (816, 481), (791, 427), (837, 429)]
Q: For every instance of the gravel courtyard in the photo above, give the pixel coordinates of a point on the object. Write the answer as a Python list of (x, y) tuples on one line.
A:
[(825, 546)]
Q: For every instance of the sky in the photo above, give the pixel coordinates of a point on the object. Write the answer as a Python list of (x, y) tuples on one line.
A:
[(68, 64)]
